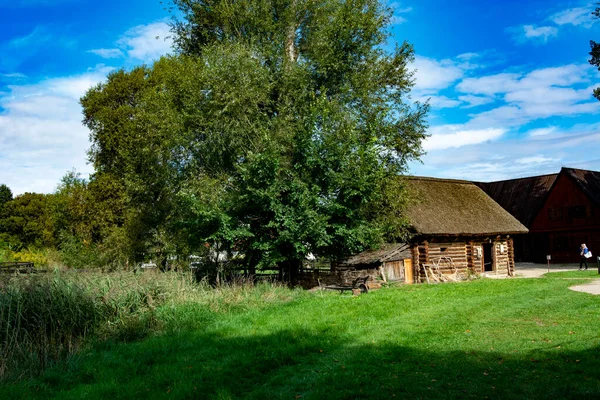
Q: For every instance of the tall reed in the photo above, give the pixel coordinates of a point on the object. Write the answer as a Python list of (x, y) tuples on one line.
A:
[(47, 317)]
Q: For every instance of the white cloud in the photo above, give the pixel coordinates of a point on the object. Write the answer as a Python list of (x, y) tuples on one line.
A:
[(533, 154), (452, 136), (434, 75), (41, 135), (574, 16), (542, 32), (108, 53), (488, 85), (542, 93), (141, 43), (147, 42)]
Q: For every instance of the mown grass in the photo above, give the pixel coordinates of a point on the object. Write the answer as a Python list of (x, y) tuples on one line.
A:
[(519, 338)]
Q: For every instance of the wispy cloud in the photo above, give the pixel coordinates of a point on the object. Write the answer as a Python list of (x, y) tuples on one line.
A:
[(536, 34), (578, 16), (32, 3), (397, 17), (38, 37), (108, 53), (17, 50), (540, 34), (542, 131)]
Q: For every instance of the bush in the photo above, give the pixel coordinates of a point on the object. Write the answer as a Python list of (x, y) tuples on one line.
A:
[(40, 258), (74, 253)]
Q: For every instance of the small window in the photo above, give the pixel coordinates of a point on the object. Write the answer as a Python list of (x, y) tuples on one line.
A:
[(577, 212), (555, 214), (443, 249)]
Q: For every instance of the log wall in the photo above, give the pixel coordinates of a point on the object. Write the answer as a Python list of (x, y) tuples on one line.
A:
[(466, 254)]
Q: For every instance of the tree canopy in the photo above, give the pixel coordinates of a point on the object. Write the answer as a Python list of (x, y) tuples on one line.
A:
[(279, 129), (6, 194)]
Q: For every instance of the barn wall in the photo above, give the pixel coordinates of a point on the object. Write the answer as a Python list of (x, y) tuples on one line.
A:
[(567, 219)]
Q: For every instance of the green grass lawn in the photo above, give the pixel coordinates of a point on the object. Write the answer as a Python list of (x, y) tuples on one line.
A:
[(518, 338)]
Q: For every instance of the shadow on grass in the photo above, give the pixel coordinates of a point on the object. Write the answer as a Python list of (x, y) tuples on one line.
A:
[(310, 365)]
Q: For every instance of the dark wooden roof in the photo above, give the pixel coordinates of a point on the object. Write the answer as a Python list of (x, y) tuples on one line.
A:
[(587, 181), (447, 207), (523, 198), (388, 252)]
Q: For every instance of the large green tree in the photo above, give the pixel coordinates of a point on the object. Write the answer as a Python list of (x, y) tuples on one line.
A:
[(279, 129), (5, 194)]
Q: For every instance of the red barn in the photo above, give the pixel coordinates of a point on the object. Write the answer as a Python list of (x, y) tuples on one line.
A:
[(561, 211)]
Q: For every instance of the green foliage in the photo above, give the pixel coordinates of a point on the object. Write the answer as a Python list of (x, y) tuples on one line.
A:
[(75, 253), (40, 258), (278, 130), (5, 195), (28, 220)]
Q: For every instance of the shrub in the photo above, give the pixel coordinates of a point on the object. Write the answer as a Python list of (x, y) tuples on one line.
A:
[(75, 253)]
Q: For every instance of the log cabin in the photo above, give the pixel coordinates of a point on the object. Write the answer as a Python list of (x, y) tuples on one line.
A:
[(455, 226)]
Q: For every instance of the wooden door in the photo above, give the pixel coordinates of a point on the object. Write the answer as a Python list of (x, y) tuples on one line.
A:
[(408, 272), (394, 270)]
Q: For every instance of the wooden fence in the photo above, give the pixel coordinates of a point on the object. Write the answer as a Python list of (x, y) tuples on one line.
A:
[(20, 267)]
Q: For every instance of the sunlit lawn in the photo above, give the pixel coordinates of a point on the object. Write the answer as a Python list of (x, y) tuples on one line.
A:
[(517, 338)]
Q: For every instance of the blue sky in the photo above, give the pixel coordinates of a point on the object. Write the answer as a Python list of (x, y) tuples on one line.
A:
[(509, 82)]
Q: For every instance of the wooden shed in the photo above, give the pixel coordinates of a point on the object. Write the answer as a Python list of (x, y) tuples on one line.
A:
[(459, 228), (393, 261)]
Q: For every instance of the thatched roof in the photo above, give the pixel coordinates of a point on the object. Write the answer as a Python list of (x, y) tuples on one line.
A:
[(454, 208), (523, 198), (388, 252)]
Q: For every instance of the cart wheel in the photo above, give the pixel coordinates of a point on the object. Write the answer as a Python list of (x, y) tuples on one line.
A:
[(363, 288)]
